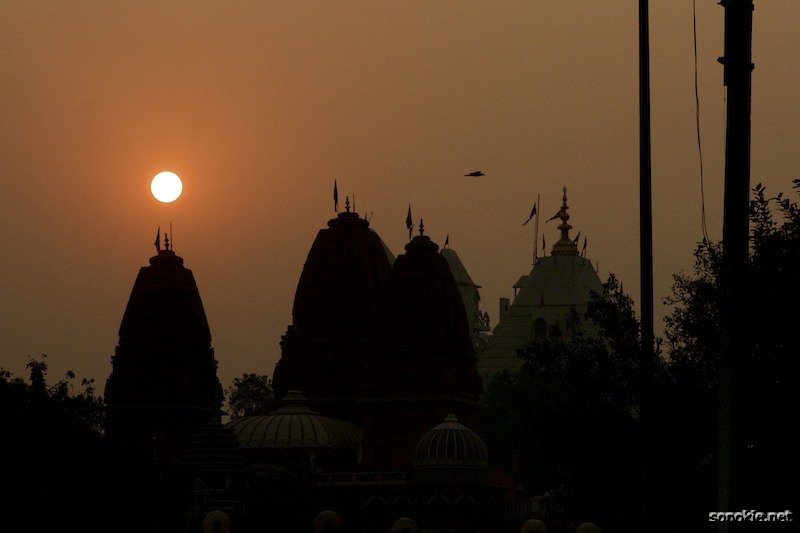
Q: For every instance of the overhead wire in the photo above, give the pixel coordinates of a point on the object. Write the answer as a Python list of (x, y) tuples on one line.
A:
[(697, 122)]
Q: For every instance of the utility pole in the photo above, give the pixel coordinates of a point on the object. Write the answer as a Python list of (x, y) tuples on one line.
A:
[(646, 258), (738, 68)]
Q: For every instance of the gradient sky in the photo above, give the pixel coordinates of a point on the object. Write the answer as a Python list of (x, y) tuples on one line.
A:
[(260, 105)]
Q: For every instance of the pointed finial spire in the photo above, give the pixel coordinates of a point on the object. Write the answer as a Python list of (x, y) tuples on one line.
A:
[(347, 204), (166, 242), (421, 228), (565, 245)]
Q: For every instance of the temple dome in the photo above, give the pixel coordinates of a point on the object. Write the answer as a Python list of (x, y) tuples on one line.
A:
[(451, 444), (295, 425)]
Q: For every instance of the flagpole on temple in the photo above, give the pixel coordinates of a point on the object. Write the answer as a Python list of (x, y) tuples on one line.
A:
[(335, 197)]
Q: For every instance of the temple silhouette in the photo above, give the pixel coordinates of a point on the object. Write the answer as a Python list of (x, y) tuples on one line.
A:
[(377, 412)]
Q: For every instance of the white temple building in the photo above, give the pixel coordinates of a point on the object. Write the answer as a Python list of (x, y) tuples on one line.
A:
[(543, 299)]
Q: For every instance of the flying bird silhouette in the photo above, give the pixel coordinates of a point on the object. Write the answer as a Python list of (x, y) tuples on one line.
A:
[(476, 173)]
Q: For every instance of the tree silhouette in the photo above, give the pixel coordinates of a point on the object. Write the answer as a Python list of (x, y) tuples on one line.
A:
[(250, 395)]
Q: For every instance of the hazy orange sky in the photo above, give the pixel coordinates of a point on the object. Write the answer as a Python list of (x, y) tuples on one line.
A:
[(260, 105)]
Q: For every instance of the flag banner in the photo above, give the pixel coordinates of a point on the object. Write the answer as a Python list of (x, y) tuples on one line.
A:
[(158, 239), (557, 215), (533, 212), (409, 223), (335, 197)]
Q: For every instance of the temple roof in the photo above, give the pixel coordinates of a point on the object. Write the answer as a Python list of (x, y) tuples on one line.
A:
[(544, 298), (295, 425)]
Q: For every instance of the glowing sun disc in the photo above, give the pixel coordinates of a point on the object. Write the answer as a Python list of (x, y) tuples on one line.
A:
[(166, 187)]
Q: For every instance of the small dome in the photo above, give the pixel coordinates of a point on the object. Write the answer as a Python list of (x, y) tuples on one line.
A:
[(295, 425), (404, 525), (451, 444), (533, 526)]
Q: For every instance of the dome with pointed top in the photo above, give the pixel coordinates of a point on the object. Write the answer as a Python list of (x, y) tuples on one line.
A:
[(451, 444)]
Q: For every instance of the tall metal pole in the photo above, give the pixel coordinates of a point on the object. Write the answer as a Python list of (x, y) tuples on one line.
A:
[(646, 253), (645, 188), (738, 67), (536, 231)]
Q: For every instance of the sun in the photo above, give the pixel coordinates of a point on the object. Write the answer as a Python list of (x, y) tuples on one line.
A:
[(166, 187)]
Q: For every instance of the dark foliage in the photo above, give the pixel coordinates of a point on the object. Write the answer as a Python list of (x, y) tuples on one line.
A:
[(569, 417), (53, 450), (628, 444), (765, 463), (250, 395)]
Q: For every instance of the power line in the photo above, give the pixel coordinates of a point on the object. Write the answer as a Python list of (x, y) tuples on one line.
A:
[(697, 120)]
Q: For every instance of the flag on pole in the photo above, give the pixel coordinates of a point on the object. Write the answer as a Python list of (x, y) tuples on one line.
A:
[(158, 239), (447, 240), (544, 246), (583, 252), (533, 212), (335, 197), (575, 240), (557, 215), (409, 223)]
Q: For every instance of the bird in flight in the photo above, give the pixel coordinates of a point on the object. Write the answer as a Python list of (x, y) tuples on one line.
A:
[(476, 173)]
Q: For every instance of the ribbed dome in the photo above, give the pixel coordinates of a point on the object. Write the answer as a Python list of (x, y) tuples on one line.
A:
[(451, 444), (295, 425)]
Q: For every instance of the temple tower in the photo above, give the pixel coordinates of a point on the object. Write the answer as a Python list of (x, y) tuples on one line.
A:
[(334, 316), (163, 384), (544, 300), (421, 366)]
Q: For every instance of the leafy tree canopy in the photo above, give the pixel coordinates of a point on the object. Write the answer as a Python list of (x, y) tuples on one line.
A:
[(250, 395)]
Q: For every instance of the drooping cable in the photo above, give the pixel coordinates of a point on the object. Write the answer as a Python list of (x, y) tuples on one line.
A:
[(697, 122)]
